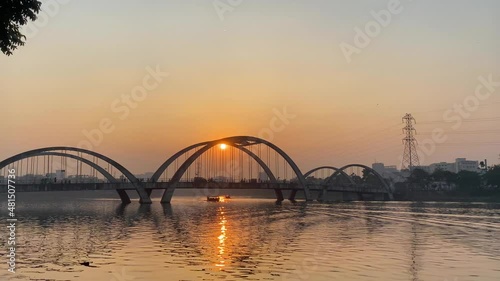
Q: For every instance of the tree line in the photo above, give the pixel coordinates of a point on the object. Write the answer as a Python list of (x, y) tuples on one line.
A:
[(473, 182)]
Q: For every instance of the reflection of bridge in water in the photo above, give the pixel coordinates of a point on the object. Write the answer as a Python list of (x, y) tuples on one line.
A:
[(240, 162)]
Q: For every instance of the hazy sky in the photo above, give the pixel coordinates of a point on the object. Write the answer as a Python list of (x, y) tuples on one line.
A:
[(229, 74)]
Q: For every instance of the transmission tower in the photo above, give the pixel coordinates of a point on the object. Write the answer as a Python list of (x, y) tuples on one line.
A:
[(410, 156)]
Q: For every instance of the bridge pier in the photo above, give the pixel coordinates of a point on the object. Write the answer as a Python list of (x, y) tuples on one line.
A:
[(388, 196), (307, 194), (167, 195), (123, 196), (293, 193), (143, 195), (360, 196), (322, 195), (279, 195)]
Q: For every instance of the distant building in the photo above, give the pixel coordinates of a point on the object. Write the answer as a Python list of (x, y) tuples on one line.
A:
[(460, 164), (145, 176), (82, 179), (388, 172), (29, 178), (263, 176), (443, 166), (221, 179), (60, 175), (379, 167), (391, 169), (428, 169)]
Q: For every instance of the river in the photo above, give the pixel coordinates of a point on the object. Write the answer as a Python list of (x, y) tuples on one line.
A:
[(252, 239)]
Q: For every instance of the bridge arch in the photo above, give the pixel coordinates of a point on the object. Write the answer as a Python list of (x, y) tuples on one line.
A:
[(122, 193), (288, 159), (167, 194), (174, 157), (377, 175), (101, 170), (177, 155), (335, 169), (144, 197), (238, 142)]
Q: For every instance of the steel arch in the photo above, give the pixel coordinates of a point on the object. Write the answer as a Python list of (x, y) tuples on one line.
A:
[(103, 172), (144, 197), (331, 168), (172, 158), (379, 177), (295, 168), (122, 193), (167, 194), (242, 141)]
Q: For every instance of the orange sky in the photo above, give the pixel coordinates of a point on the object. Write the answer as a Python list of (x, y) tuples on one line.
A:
[(227, 76)]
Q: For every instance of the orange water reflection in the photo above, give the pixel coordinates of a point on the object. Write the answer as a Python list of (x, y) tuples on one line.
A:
[(222, 238), (257, 240)]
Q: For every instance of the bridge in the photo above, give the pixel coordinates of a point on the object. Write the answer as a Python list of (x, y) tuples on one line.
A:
[(239, 162)]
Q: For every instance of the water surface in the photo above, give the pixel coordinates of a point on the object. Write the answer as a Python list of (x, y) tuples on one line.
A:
[(253, 239)]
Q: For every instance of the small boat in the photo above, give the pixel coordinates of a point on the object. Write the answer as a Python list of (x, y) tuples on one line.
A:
[(213, 198), (227, 196)]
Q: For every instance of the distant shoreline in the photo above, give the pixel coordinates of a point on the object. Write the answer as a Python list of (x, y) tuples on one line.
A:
[(433, 196), (414, 196)]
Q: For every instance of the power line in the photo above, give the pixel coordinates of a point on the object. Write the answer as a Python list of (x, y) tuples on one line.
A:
[(485, 119), (468, 143), (445, 109), (466, 132), (472, 131)]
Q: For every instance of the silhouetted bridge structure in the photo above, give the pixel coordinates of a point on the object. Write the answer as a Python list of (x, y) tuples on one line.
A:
[(240, 162)]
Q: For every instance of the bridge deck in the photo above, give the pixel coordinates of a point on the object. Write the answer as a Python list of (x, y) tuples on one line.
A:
[(188, 185)]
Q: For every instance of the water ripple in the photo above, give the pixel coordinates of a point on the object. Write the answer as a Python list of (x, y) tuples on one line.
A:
[(257, 240)]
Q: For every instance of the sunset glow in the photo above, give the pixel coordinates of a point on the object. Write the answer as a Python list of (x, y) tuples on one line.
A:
[(256, 140), (238, 77)]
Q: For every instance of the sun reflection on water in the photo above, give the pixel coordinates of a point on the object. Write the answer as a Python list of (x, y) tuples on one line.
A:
[(222, 239)]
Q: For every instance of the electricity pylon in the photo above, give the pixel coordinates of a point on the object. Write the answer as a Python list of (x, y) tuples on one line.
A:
[(410, 155)]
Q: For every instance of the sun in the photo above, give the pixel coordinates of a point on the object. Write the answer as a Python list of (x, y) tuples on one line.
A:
[(223, 146)]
